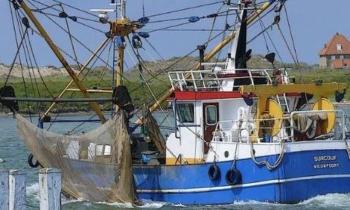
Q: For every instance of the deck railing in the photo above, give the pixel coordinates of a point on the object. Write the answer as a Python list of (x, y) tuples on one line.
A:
[(219, 79), (246, 130), (253, 130)]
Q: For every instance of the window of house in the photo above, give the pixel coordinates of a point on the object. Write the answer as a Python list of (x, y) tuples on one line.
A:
[(339, 47), (333, 57), (337, 56), (211, 115), (185, 112), (342, 57)]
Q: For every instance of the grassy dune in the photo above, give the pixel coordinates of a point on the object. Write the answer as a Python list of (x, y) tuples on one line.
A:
[(326, 75), (54, 85), (139, 91)]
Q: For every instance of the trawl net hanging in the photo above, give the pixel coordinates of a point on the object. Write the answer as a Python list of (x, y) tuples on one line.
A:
[(96, 166)]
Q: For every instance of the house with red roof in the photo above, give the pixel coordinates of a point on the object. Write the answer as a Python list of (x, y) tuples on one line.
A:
[(336, 53)]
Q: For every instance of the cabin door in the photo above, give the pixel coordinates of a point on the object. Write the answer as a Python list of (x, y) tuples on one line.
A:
[(210, 120)]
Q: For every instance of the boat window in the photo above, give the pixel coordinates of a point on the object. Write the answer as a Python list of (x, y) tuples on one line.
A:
[(185, 112), (102, 150), (211, 115), (99, 150), (108, 150)]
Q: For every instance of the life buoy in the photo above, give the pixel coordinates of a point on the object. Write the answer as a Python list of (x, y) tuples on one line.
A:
[(31, 163), (214, 172), (233, 176)]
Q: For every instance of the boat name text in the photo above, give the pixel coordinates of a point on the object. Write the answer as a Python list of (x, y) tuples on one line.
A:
[(325, 158), (319, 159)]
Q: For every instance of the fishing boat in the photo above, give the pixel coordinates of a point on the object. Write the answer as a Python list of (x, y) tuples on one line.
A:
[(240, 133)]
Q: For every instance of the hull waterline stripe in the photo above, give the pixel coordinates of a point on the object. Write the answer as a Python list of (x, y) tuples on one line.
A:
[(254, 184)]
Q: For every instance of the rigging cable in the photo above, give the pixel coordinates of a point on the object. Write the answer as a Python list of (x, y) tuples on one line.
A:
[(286, 43), (76, 8), (71, 7), (264, 35), (184, 9), (20, 31), (213, 16), (71, 17), (82, 79), (273, 44), (213, 25), (19, 56), (76, 39), (16, 55), (196, 18), (108, 60), (29, 50), (70, 37), (291, 35), (182, 58)]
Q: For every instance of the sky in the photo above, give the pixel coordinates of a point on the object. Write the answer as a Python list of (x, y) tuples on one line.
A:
[(313, 23)]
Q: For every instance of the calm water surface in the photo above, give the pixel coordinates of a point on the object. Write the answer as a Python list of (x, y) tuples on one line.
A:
[(14, 153)]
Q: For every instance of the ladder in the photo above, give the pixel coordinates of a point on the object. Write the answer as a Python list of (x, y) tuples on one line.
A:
[(282, 100)]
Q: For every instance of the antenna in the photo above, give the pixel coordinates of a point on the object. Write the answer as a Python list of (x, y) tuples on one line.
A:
[(103, 14), (120, 6)]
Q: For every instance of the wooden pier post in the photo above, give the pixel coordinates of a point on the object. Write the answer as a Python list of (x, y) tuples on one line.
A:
[(4, 189), (17, 186), (50, 189)]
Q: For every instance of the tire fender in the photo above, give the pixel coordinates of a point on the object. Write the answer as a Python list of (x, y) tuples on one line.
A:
[(214, 172), (233, 177)]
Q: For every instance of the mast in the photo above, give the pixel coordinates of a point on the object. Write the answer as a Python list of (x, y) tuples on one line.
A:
[(238, 54), (119, 48)]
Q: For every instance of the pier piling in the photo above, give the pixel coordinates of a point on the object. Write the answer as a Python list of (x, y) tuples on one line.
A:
[(50, 189), (13, 189), (4, 189), (17, 188)]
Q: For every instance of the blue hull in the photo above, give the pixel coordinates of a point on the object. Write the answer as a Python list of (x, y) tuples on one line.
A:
[(300, 176)]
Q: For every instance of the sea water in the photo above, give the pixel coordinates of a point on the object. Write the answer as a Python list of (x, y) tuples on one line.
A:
[(13, 154)]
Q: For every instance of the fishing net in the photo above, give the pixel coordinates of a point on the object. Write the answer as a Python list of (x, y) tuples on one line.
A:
[(154, 133), (96, 166)]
